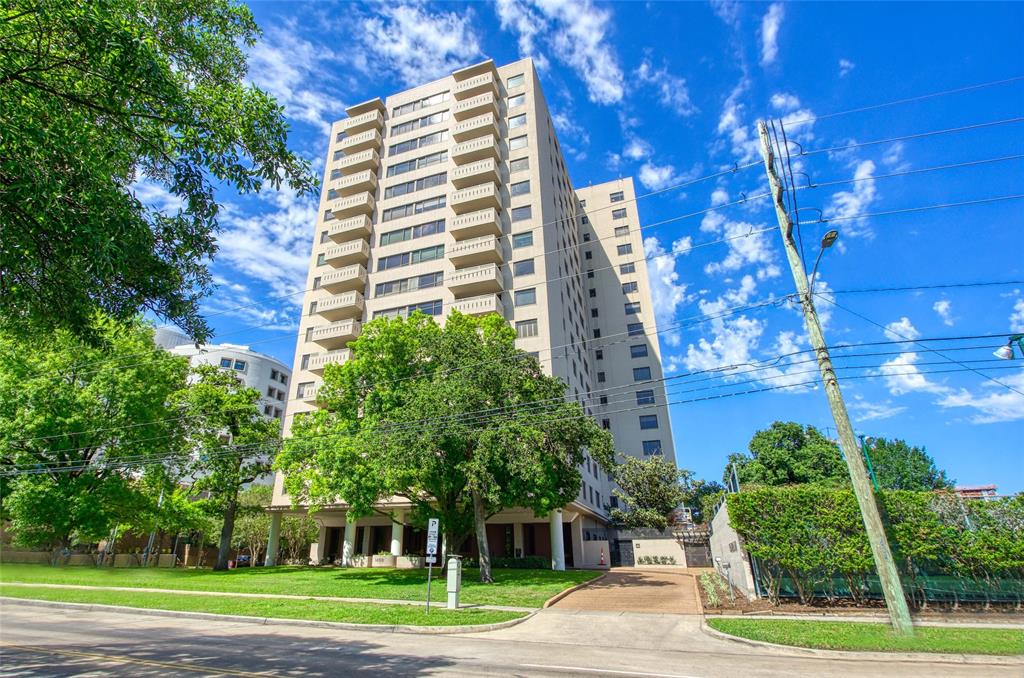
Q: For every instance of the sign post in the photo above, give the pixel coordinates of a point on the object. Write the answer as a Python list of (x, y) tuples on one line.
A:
[(432, 530)]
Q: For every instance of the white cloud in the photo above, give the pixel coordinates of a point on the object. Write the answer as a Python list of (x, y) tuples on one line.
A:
[(903, 376), (298, 75), (732, 128), (1017, 317), (783, 101), (656, 177), (719, 196), (417, 45), (667, 293), (269, 240), (746, 247), (672, 90), (637, 149), (845, 66), (996, 404), (901, 329), (868, 411), (855, 201), (155, 196), (944, 309), (770, 33), (577, 32), (728, 11)]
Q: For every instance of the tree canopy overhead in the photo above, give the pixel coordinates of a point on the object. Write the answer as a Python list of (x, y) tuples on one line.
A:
[(787, 453), (95, 97), (651, 490), (455, 420), (79, 422), (900, 466)]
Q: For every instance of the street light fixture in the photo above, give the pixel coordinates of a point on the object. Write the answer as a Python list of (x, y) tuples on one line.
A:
[(1006, 352), (827, 241)]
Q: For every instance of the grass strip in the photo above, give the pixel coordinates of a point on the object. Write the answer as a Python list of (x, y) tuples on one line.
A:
[(832, 635), (353, 613), (518, 588)]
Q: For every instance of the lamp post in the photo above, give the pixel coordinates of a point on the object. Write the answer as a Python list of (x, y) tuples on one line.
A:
[(827, 241), (1006, 352)]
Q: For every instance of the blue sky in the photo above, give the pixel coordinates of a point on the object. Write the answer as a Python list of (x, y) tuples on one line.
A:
[(669, 92)]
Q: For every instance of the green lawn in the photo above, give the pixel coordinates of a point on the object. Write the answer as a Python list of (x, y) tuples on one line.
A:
[(355, 613), (520, 588), (877, 637)]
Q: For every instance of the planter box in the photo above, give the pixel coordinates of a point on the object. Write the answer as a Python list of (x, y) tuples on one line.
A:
[(126, 560), (360, 561), (166, 560), (36, 557), (409, 562), (384, 561)]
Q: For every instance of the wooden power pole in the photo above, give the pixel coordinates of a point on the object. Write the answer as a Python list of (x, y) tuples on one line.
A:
[(895, 601)]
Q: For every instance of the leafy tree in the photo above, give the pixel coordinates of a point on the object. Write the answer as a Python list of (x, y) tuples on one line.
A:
[(458, 421), (787, 453), (230, 438), (898, 466), (78, 423), (297, 533), (96, 97), (252, 528), (700, 495), (651, 489)]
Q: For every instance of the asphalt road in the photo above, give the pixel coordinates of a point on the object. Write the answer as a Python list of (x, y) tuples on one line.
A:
[(37, 641)]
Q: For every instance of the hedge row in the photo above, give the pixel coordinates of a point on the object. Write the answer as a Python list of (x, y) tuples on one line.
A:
[(811, 536)]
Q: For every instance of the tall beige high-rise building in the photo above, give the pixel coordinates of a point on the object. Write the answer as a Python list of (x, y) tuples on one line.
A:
[(454, 196)]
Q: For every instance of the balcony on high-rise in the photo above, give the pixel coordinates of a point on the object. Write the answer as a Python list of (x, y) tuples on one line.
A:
[(356, 251), (478, 126), (478, 84), (482, 305), (475, 198), (360, 203), (353, 228), (362, 122), (353, 143), (357, 162), (337, 334), (352, 277), (341, 306), (474, 280), (478, 105), (318, 361), (476, 251), (476, 149), (475, 173), (476, 224), (365, 181)]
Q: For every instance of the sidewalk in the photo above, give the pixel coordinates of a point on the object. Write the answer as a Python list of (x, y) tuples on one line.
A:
[(877, 619), (329, 599)]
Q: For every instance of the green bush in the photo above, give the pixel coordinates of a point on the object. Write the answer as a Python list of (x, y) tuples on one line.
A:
[(710, 585), (813, 537), (522, 563)]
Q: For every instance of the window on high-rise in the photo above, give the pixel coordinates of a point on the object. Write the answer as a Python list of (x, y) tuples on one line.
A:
[(648, 421), (652, 447), (627, 268), (522, 239), (628, 287), (617, 196), (593, 294), (523, 267), (634, 329), (519, 188), (517, 121), (645, 397), (522, 213), (619, 213), (516, 101), (526, 297), (518, 165), (638, 351), (517, 142), (624, 249), (526, 328), (515, 81), (641, 373), (632, 308), (621, 230)]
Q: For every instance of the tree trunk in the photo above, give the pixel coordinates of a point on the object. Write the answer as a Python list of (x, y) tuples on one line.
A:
[(225, 535), (480, 520)]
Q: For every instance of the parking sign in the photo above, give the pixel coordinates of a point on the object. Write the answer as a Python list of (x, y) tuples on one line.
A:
[(432, 529)]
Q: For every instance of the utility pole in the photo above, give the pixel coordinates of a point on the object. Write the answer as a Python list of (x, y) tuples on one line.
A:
[(895, 601)]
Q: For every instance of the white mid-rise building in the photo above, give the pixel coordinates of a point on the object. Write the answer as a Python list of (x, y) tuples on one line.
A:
[(454, 195)]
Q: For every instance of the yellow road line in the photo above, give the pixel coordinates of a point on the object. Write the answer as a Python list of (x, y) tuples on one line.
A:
[(132, 660)]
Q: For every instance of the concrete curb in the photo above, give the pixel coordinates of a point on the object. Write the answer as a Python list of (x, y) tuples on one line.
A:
[(558, 596), (264, 621), (880, 619), (924, 657)]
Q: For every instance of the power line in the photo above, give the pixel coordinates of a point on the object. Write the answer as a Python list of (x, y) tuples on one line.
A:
[(908, 137), (898, 102), (924, 208), (936, 286)]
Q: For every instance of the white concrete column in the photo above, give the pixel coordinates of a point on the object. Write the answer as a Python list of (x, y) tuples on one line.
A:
[(318, 551), (517, 539), (576, 534), (397, 533), (365, 546), (349, 548), (274, 541), (557, 542)]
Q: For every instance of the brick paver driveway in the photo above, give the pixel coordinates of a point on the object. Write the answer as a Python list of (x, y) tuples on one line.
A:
[(657, 591)]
